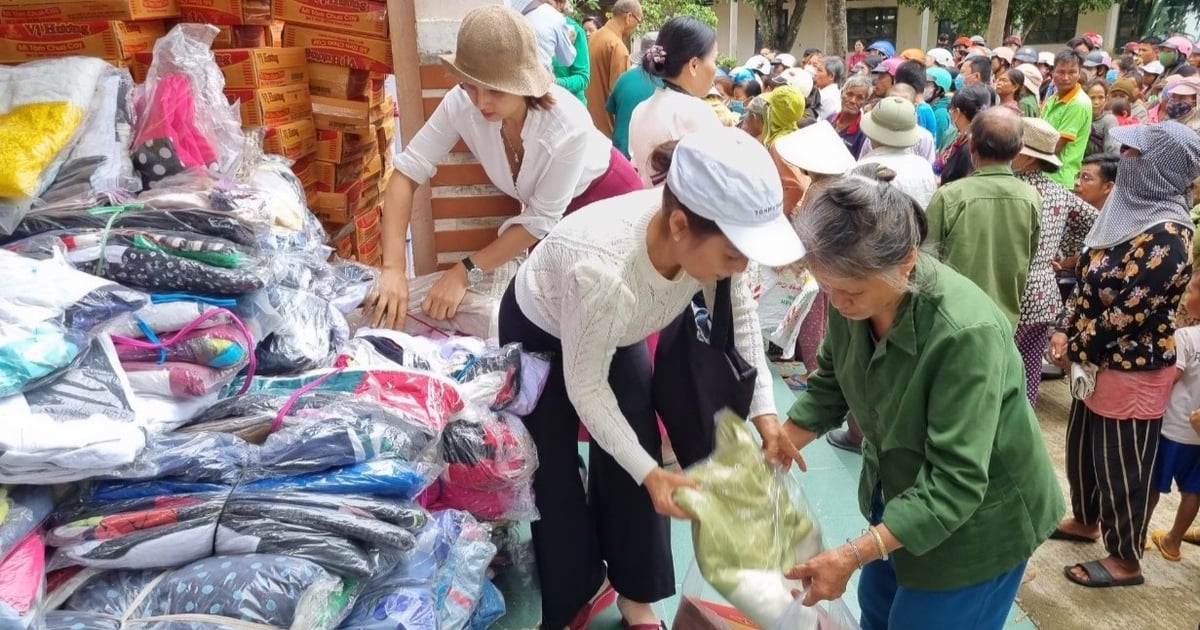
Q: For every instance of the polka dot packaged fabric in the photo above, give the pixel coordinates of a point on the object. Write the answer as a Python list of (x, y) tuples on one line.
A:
[(249, 591)]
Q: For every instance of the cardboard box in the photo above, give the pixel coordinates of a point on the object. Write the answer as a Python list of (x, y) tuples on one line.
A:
[(249, 36), (341, 49), (365, 17), (271, 107), (362, 229), (86, 10), (339, 146), (293, 140), (371, 252), (338, 82), (342, 244), (304, 171), (109, 40), (226, 11), (385, 136), (346, 115), (340, 177), (341, 207), (262, 67)]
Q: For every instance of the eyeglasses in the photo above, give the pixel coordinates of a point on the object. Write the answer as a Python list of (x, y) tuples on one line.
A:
[(637, 18)]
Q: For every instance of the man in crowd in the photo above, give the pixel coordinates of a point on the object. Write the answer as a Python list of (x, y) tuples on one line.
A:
[(574, 78), (1070, 111), (893, 130), (977, 69), (987, 226), (1148, 49), (610, 59)]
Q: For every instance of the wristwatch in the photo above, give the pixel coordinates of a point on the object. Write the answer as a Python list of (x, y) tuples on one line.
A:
[(474, 274)]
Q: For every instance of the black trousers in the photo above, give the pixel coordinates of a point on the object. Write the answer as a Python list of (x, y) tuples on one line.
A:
[(1110, 469), (575, 537)]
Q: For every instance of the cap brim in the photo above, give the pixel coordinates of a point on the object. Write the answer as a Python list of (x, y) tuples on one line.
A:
[(890, 137), (1045, 157), (774, 244), (540, 88), (1131, 136)]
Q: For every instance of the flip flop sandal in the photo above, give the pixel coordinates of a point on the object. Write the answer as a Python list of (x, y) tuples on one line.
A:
[(625, 625), (1069, 537), (599, 603), (796, 383), (1099, 577), (1156, 537)]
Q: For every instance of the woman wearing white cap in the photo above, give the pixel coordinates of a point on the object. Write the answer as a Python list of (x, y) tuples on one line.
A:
[(590, 294), (535, 141)]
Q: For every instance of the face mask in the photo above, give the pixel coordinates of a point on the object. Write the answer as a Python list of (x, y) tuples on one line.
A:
[(1178, 109), (737, 107), (958, 83), (811, 69), (1167, 59)]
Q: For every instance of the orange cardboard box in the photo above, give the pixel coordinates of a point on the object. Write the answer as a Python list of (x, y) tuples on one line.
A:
[(226, 11), (341, 207), (340, 177), (109, 40), (271, 107), (249, 36), (371, 252), (353, 16), (339, 146), (343, 244), (292, 140), (86, 10), (262, 67), (338, 82), (362, 229), (341, 49), (346, 115), (303, 170)]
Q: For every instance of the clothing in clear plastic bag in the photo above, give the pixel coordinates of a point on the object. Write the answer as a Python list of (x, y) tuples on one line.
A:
[(490, 609), (832, 616), (158, 216), (438, 587), (478, 314), (273, 590), (751, 524), (787, 294), (22, 583), (490, 460), (182, 104), (313, 297), (167, 317), (43, 109), (96, 386), (51, 312), (27, 507)]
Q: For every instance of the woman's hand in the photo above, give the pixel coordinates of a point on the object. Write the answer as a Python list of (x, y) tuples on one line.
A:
[(1058, 350), (662, 484), (777, 448), (387, 304), (446, 294), (826, 575)]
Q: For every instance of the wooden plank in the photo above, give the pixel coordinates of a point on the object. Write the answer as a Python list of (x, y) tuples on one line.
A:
[(470, 207), (429, 104), (460, 147), (469, 174), (464, 240), (437, 78), (406, 59)]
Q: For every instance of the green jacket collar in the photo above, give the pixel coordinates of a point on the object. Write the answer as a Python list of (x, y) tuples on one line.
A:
[(994, 169)]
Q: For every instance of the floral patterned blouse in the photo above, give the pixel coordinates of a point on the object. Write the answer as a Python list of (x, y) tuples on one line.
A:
[(1122, 313), (1066, 220)]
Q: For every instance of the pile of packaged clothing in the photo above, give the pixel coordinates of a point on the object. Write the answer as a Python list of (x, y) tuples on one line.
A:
[(194, 434)]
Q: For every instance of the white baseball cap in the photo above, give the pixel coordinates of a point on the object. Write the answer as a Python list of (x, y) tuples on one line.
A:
[(941, 57), (1046, 58), (1154, 67), (785, 60), (759, 64), (726, 176)]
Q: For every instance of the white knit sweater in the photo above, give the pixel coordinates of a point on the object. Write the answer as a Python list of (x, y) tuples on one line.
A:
[(591, 284)]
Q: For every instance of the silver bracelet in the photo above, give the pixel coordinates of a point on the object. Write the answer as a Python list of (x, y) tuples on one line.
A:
[(857, 555)]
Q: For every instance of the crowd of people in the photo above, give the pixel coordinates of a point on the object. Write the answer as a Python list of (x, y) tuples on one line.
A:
[(975, 218)]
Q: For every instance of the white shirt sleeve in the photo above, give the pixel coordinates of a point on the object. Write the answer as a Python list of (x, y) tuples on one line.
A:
[(1185, 348), (555, 189), (434, 141), (749, 343), (564, 49), (595, 306)]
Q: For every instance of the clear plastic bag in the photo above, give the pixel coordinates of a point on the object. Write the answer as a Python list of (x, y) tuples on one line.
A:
[(183, 101), (43, 108), (832, 616), (193, 217), (751, 524), (23, 583), (51, 313), (478, 314), (490, 460)]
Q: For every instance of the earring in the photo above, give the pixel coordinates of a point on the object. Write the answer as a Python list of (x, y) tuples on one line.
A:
[(676, 238)]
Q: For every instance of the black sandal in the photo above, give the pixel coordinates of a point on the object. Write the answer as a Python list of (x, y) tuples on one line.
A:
[(1099, 577)]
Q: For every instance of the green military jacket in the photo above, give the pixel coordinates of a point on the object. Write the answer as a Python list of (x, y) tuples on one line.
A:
[(950, 438)]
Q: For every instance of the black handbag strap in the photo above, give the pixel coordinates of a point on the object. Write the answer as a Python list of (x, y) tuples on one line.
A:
[(721, 315)]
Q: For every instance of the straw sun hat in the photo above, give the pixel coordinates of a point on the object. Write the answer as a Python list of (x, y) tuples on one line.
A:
[(497, 49)]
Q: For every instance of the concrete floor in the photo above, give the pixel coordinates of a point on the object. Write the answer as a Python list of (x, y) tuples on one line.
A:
[(1170, 600)]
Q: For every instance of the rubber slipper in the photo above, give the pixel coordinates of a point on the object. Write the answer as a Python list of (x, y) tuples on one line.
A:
[(1192, 535), (1069, 537), (796, 383), (841, 439), (599, 603), (662, 625), (1099, 577), (1156, 538)]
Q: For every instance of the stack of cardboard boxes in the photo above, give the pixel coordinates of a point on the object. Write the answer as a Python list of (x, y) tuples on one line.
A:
[(113, 30), (349, 56)]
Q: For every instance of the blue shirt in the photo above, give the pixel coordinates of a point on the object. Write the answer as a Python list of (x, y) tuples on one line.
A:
[(927, 119), (632, 87)]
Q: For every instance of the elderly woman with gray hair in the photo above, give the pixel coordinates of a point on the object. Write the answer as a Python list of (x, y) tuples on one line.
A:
[(953, 459), (847, 121)]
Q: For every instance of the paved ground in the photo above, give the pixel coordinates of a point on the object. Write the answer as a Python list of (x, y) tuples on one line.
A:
[(1169, 600)]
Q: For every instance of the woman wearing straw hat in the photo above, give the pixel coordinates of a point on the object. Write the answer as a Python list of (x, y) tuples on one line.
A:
[(1065, 222), (534, 140), (590, 294)]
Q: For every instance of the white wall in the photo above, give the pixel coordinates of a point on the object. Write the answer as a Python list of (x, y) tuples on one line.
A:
[(437, 24)]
